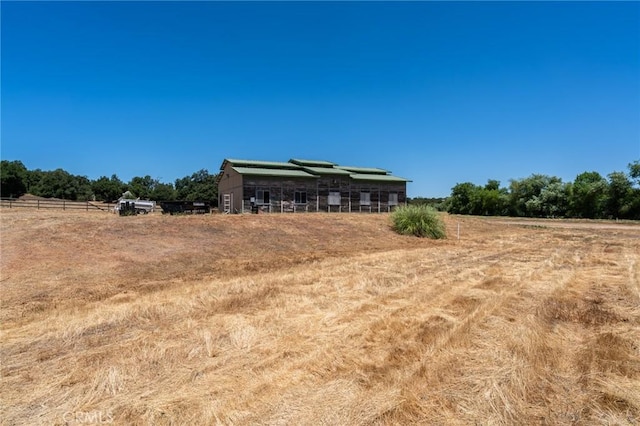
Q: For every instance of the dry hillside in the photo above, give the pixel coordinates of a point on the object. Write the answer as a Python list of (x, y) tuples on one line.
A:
[(316, 319)]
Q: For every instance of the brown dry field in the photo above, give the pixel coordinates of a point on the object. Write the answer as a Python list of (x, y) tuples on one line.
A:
[(314, 319)]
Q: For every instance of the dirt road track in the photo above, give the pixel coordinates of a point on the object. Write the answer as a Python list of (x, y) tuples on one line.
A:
[(570, 224)]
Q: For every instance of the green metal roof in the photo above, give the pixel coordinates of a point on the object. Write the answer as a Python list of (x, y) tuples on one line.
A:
[(308, 169), (378, 178), (364, 170), (256, 171), (259, 164), (326, 171), (312, 163)]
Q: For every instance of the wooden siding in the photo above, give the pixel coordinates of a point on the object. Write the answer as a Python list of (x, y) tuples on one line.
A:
[(230, 183), (379, 196), (281, 194), (328, 184)]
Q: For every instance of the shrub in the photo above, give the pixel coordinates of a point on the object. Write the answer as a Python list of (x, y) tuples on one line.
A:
[(418, 220)]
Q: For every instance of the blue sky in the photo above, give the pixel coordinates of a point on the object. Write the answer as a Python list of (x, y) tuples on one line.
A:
[(438, 92)]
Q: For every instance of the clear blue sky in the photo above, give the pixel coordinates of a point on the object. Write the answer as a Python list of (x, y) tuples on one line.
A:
[(438, 92)]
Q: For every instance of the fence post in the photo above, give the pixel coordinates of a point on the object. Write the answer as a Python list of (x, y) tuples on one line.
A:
[(63, 205), (38, 208)]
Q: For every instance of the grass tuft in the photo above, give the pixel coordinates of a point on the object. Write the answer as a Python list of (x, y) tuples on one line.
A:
[(418, 220)]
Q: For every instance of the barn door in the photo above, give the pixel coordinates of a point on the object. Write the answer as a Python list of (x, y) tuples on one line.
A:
[(227, 201)]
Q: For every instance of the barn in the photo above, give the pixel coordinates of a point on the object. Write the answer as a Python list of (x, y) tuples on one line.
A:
[(306, 186)]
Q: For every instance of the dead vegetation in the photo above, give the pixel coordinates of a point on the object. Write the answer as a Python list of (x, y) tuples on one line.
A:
[(316, 319)]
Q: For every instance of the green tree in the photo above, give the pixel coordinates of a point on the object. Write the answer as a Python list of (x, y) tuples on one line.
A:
[(634, 171), (554, 199), (61, 184), (619, 195), (437, 203), (142, 187), (464, 198), (84, 188), (467, 198), (13, 178), (525, 195), (163, 192), (492, 185), (200, 186), (493, 199), (149, 188), (589, 196), (494, 202), (107, 189), (634, 203), (34, 177)]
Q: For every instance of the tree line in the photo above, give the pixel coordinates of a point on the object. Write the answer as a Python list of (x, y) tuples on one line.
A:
[(590, 195), (17, 180)]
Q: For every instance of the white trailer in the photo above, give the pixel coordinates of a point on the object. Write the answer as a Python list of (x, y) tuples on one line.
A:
[(140, 206)]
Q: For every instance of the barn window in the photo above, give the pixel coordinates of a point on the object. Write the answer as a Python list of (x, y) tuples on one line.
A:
[(262, 196), (365, 198), (334, 198), (393, 198), (300, 197)]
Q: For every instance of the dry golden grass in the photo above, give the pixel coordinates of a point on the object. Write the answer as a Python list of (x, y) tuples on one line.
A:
[(316, 319)]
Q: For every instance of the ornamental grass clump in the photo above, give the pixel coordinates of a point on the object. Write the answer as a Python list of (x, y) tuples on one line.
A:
[(420, 220)]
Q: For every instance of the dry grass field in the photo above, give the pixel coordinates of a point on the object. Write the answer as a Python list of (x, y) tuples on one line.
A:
[(315, 319)]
